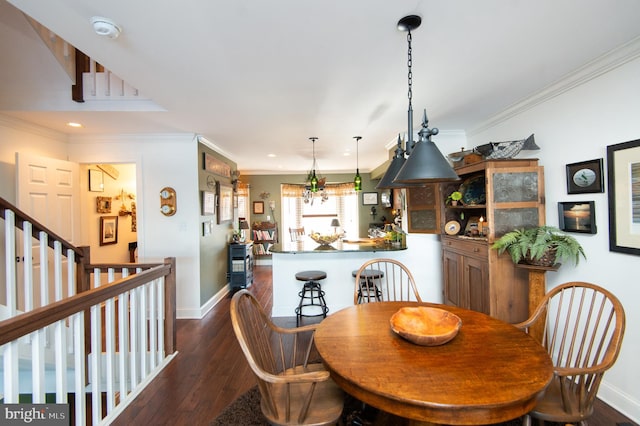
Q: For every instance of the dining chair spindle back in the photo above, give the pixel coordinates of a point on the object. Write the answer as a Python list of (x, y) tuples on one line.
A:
[(583, 329), (296, 234), (384, 280), (292, 390)]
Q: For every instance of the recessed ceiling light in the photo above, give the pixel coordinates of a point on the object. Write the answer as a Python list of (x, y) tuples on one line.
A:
[(271, 155), (72, 124), (105, 27)]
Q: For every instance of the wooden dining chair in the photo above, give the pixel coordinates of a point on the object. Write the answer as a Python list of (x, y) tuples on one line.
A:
[(296, 233), (292, 390), (583, 329), (384, 280)]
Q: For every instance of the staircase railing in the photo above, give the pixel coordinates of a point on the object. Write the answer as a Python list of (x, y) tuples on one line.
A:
[(98, 346)]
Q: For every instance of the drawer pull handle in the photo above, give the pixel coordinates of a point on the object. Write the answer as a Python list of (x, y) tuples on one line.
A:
[(475, 250)]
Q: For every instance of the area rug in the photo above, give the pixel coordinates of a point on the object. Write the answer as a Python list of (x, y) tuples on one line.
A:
[(245, 411)]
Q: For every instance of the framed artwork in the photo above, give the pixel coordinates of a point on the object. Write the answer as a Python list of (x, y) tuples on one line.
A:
[(225, 203), (258, 207), (108, 230), (96, 180), (369, 198), (623, 172), (577, 216), (214, 165), (208, 203), (585, 177), (103, 204)]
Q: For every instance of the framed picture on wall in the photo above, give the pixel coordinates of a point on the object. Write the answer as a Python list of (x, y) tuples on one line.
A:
[(577, 216), (96, 180), (208, 203), (623, 173), (225, 203), (369, 198), (108, 230), (585, 177), (258, 207)]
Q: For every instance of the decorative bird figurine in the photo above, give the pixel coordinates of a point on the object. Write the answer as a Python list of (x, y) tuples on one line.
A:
[(509, 149)]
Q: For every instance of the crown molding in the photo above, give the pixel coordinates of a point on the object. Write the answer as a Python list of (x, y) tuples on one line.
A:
[(129, 137), (591, 70), (35, 129)]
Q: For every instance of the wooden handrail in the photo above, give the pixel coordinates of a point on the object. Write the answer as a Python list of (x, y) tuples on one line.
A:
[(28, 322), (37, 227)]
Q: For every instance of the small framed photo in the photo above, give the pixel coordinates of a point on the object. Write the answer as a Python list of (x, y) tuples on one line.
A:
[(208, 203), (577, 216), (369, 198), (108, 230), (258, 207), (96, 180), (103, 204), (585, 177)]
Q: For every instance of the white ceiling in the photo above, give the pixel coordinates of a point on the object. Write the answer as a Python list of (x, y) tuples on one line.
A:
[(261, 77)]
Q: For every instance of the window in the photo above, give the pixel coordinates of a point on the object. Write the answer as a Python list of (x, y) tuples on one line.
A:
[(243, 200), (315, 215)]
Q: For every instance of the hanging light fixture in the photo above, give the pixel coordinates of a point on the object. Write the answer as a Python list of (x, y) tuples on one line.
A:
[(394, 167), (313, 182), (429, 165), (357, 180)]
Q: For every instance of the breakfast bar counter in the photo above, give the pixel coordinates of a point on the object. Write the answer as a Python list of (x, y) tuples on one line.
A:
[(338, 260)]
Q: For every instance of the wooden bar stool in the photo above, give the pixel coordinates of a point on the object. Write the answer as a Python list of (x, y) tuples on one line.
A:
[(368, 288), (311, 295)]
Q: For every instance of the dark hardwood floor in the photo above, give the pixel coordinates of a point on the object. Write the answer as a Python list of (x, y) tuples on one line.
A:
[(210, 372)]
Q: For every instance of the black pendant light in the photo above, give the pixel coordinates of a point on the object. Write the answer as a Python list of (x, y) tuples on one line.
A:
[(394, 167), (357, 180), (426, 167), (426, 163)]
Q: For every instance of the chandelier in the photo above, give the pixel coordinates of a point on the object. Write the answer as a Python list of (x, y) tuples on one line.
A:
[(420, 162), (314, 184)]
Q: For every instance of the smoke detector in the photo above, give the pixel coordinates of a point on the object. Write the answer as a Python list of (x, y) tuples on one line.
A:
[(105, 27)]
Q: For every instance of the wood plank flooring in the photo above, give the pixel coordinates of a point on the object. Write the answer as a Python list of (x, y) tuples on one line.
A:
[(210, 371)]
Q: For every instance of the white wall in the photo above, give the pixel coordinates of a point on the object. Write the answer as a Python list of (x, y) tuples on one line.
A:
[(575, 126), (161, 160)]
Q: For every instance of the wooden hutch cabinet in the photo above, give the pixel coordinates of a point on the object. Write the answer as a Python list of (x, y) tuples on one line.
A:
[(498, 196)]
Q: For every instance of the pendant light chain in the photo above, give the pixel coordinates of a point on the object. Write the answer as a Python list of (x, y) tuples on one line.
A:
[(409, 143)]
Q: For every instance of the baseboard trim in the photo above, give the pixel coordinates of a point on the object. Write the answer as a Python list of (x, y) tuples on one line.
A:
[(204, 309)]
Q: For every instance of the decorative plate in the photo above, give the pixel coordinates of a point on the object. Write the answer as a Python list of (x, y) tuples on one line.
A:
[(452, 227), (473, 191), (584, 177)]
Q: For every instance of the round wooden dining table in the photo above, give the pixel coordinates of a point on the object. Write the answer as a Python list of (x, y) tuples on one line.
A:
[(489, 373)]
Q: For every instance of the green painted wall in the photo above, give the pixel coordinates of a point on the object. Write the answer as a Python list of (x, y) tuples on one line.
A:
[(271, 184), (213, 247)]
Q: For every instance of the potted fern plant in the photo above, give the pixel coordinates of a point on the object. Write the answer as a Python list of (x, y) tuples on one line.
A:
[(541, 245)]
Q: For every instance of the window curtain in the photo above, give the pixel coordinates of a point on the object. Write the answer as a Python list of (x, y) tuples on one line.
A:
[(243, 200), (344, 194)]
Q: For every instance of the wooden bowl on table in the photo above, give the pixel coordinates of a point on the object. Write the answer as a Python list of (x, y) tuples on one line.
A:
[(425, 326)]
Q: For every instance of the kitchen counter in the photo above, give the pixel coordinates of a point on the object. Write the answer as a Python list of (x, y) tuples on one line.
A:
[(337, 260), (307, 245)]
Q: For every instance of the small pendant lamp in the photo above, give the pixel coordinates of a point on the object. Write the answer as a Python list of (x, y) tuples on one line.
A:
[(314, 179), (357, 180)]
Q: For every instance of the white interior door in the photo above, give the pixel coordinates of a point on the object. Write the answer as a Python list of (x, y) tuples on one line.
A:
[(47, 190)]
